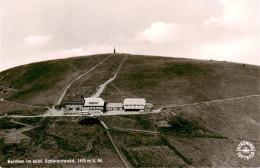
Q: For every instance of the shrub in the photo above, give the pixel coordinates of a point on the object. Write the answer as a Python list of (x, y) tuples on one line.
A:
[(185, 125), (89, 121)]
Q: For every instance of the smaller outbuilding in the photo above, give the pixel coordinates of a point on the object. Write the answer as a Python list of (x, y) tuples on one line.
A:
[(73, 106), (114, 107), (148, 107)]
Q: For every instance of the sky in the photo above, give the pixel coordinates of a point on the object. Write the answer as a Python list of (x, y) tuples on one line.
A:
[(224, 30)]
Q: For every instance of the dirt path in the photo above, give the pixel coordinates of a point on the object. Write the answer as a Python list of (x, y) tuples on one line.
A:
[(220, 139), (234, 98), (102, 87), (212, 101), (21, 130), (134, 130), (16, 122), (73, 66), (90, 142), (122, 91), (21, 116), (113, 143), (12, 89), (85, 73), (89, 145), (23, 104)]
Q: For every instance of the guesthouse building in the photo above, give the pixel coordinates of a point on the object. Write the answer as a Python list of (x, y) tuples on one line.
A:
[(94, 105)]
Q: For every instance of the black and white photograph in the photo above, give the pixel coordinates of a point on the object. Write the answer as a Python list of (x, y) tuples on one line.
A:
[(129, 83)]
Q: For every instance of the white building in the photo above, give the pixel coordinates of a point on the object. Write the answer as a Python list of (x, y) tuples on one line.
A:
[(134, 104), (94, 105)]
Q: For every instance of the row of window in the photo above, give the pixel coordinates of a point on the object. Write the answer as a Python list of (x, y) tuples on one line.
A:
[(88, 109), (99, 108), (134, 105), (77, 107), (93, 102), (72, 108)]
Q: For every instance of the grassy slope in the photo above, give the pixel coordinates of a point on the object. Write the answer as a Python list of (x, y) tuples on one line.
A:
[(238, 121), (162, 81), (42, 83), (15, 109), (166, 81)]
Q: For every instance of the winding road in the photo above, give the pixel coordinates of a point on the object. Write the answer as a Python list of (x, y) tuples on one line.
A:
[(23, 104), (212, 101)]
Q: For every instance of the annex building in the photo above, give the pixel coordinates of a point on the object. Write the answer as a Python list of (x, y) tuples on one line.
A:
[(114, 107), (134, 104)]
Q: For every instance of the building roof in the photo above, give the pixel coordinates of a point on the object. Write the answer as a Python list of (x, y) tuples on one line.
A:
[(115, 105), (135, 101), (94, 101), (74, 103)]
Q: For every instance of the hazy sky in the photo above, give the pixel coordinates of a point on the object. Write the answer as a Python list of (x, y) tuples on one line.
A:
[(207, 29)]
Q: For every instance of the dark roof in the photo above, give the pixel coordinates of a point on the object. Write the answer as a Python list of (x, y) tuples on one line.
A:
[(74, 103)]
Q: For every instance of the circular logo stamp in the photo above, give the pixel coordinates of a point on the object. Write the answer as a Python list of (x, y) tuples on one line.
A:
[(245, 150)]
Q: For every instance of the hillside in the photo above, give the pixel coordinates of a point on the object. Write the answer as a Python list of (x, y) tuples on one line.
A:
[(163, 81), (210, 107)]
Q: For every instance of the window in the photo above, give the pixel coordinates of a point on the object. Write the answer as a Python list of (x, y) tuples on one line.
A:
[(93, 102)]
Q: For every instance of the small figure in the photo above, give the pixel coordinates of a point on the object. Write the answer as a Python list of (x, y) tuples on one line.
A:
[(114, 50)]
